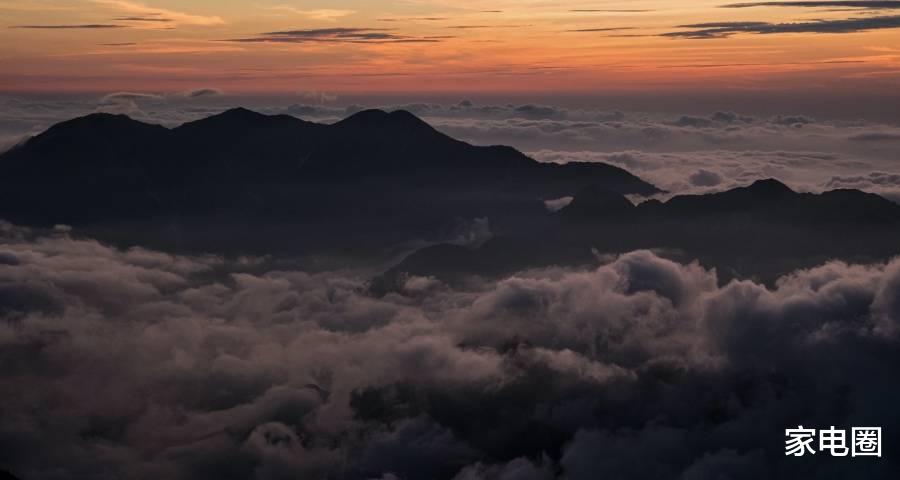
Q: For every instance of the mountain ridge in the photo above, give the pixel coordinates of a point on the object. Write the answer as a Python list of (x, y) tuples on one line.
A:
[(766, 197), (367, 126), (762, 230), (390, 173)]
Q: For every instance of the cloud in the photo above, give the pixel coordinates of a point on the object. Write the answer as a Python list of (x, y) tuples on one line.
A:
[(874, 178), (126, 103), (414, 19), (883, 183), (692, 121), (705, 178), (876, 137), (609, 10), (321, 14), (476, 27), (203, 92), (149, 18), (727, 29), (557, 204), (88, 26), (138, 104), (865, 4), (791, 120), (334, 35), (129, 96), (139, 10), (151, 364), (517, 469), (318, 97), (607, 29)]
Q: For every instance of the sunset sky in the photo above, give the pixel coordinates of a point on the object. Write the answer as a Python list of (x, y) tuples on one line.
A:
[(366, 46)]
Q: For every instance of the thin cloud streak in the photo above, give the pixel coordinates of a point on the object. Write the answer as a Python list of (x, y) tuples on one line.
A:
[(88, 26), (608, 29), (144, 19), (871, 5), (334, 35), (712, 30), (321, 14), (141, 10)]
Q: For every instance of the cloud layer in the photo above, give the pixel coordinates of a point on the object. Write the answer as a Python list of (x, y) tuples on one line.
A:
[(142, 364)]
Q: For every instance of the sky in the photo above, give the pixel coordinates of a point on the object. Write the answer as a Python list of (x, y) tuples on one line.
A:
[(524, 47)]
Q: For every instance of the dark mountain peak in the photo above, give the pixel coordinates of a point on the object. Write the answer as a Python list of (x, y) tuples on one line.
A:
[(88, 135), (241, 112), (597, 201), (106, 121), (365, 117), (769, 187), (99, 117), (238, 119), (759, 194), (376, 119)]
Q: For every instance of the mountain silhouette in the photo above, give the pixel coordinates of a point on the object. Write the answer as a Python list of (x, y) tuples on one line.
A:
[(377, 184), (387, 173), (282, 149), (762, 231), (765, 200), (595, 201)]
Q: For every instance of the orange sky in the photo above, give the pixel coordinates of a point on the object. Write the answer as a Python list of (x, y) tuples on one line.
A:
[(366, 46)]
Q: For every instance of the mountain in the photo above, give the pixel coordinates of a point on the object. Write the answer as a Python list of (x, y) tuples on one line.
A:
[(282, 149), (595, 201), (765, 200), (389, 173), (380, 184), (372, 179), (760, 231), (775, 201)]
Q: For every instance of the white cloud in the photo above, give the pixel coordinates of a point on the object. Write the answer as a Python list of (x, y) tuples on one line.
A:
[(317, 14), (176, 17)]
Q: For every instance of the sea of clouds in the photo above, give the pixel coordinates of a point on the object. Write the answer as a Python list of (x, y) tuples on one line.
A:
[(142, 364)]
